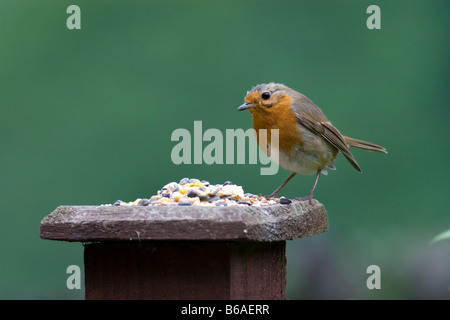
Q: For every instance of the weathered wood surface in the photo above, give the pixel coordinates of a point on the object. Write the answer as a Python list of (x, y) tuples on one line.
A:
[(119, 223)]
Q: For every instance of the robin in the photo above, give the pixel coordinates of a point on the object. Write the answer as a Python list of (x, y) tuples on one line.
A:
[(308, 142)]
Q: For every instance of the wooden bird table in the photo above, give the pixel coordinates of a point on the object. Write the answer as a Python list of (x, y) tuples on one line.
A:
[(179, 252)]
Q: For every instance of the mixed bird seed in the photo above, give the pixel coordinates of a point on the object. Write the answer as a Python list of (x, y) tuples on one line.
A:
[(189, 192)]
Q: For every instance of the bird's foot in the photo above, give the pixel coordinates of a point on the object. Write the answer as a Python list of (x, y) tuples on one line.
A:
[(309, 197), (269, 197)]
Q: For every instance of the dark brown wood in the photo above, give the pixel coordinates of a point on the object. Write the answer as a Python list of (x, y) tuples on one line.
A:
[(185, 270), (270, 223)]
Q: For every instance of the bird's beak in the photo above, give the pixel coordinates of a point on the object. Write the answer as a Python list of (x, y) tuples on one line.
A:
[(245, 106)]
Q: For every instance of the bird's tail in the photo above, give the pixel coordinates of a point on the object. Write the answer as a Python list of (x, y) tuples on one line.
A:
[(364, 145)]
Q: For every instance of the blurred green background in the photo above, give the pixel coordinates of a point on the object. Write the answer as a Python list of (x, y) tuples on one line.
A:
[(86, 118)]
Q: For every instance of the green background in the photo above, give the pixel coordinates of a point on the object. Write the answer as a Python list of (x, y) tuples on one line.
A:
[(86, 118)]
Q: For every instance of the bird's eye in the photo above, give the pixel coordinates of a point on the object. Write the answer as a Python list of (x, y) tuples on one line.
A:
[(265, 95)]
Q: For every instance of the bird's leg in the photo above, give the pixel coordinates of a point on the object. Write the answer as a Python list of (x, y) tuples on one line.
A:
[(274, 194), (310, 196)]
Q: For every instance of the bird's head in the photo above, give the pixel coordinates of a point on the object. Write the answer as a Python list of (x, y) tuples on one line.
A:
[(266, 97)]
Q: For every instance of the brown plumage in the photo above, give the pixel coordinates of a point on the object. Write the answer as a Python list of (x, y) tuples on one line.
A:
[(308, 142)]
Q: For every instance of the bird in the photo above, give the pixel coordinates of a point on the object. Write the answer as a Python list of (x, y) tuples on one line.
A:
[(307, 141)]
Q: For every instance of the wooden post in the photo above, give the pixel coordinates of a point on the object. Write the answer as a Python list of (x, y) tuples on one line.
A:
[(171, 252)]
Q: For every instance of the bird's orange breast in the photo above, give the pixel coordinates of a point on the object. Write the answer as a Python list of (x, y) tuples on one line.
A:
[(281, 117)]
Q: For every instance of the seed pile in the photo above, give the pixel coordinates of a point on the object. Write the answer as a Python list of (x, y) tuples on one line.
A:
[(190, 192)]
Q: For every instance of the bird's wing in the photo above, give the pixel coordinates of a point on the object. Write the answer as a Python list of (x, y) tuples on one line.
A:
[(331, 134)]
